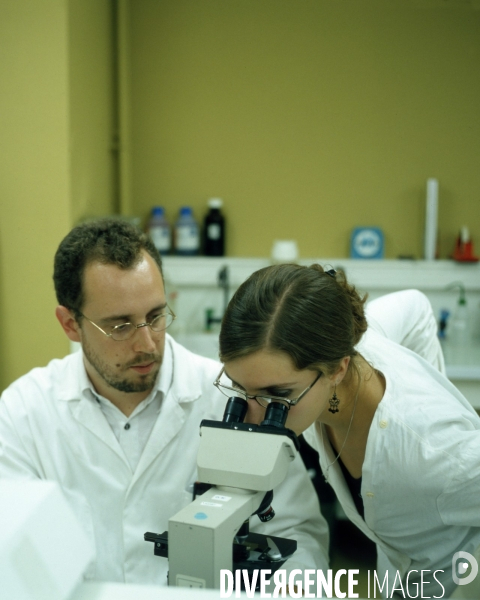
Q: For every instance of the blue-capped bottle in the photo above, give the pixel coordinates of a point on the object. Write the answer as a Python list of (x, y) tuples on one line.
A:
[(187, 233), (160, 231)]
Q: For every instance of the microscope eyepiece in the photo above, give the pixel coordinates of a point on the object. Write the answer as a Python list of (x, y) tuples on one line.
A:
[(235, 410), (275, 415)]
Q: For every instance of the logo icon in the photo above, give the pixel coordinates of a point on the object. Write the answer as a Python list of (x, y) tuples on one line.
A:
[(461, 568), (367, 242)]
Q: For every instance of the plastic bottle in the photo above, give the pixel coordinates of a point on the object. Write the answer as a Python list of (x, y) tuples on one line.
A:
[(187, 233), (159, 230), (459, 334), (214, 229)]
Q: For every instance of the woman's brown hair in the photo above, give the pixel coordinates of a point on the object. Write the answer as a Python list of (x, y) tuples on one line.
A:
[(313, 315)]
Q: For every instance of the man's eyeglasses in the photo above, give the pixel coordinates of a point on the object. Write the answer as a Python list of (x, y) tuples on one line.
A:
[(264, 401), (124, 331)]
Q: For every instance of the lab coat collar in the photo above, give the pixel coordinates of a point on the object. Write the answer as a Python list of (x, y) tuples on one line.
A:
[(186, 387), (75, 379), (76, 388)]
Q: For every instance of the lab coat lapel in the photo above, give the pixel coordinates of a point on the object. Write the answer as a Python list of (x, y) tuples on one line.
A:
[(337, 481), (89, 414), (185, 388), (169, 422), (329, 464)]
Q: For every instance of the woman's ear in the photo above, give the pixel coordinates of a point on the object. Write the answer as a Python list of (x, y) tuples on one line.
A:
[(69, 323), (341, 370)]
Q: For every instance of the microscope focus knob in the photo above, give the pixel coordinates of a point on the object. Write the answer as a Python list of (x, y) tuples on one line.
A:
[(267, 515)]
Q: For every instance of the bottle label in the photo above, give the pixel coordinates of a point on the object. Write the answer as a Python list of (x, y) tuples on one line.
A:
[(161, 238), (187, 238), (214, 231)]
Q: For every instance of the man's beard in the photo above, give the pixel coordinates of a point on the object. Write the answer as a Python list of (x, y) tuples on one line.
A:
[(144, 384)]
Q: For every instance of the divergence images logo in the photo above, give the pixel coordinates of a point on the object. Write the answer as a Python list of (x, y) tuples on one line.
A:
[(462, 567)]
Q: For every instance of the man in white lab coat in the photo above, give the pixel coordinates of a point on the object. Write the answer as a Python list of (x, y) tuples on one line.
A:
[(117, 423)]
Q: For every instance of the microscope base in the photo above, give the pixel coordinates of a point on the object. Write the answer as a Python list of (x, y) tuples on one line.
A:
[(253, 553)]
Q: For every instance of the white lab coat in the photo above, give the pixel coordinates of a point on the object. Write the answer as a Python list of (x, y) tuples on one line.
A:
[(421, 473), (50, 429)]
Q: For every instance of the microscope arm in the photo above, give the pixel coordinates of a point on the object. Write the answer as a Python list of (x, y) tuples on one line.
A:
[(201, 535), (242, 462)]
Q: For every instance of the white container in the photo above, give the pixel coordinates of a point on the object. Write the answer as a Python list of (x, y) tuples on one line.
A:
[(187, 233), (159, 230), (284, 251), (431, 220), (460, 330)]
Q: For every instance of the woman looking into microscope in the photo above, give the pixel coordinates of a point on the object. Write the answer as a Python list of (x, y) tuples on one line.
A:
[(397, 441)]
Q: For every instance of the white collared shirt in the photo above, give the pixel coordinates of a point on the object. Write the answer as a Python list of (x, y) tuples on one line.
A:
[(133, 432)]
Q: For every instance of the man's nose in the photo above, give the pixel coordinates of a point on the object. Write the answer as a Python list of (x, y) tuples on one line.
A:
[(144, 340)]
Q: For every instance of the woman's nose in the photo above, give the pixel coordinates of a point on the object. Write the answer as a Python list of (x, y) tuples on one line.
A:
[(255, 412)]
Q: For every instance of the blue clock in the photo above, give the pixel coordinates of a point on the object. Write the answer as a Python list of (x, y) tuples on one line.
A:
[(367, 242)]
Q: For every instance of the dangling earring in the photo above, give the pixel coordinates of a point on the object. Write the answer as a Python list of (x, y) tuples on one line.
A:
[(334, 401)]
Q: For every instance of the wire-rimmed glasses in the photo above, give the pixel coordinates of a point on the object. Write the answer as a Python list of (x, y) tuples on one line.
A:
[(264, 401), (124, 331)]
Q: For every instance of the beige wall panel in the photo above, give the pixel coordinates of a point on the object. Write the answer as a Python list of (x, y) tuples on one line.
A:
[(91, 78), (309, 118), (34, 182), (56, 119)]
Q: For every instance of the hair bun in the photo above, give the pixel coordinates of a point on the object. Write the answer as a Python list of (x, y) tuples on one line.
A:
[(357, 303)]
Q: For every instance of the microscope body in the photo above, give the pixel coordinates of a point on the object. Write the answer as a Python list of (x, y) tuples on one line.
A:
[(242, 463)]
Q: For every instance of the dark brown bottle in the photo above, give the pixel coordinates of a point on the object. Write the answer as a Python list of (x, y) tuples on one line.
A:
[(214, 229)]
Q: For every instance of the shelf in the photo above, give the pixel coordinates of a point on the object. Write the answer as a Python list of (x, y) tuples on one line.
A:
[(384, 275)]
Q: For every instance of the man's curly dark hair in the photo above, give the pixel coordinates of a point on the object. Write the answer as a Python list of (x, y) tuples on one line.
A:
[(108, 240)]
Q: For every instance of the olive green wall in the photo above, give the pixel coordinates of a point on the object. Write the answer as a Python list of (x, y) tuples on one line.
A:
[(34, 179), (309, 117), (55, 108), (93, 144)]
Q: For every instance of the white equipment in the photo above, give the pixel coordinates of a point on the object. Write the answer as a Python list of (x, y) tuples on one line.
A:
[(242, 463), (43, 550)]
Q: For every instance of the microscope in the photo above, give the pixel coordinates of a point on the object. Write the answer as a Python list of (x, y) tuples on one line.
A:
[(238, 466)]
